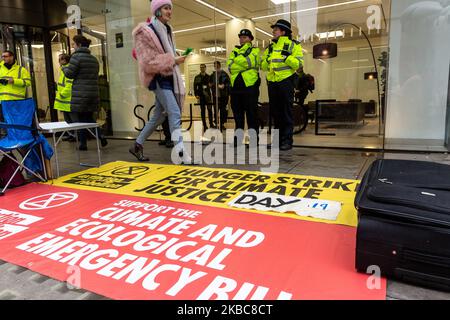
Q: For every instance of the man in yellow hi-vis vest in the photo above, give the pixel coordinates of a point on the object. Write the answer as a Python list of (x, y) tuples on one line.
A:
[(14, 79), (243, 64), (281, 60)]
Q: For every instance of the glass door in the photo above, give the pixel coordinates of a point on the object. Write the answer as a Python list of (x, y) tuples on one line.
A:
[(28, 46), (345, 47), (59, 44), (99, 50)]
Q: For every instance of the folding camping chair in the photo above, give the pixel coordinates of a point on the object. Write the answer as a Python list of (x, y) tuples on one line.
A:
[(22, 137)]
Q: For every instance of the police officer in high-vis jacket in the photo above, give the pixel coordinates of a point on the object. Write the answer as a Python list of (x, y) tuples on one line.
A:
[(281, 60), (243, 64)]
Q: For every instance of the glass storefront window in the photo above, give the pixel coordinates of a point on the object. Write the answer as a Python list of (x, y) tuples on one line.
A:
[(418, 85), (211, 28), (387, 87)]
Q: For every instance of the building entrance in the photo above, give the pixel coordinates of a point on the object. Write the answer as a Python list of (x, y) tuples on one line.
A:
[(28, 44)]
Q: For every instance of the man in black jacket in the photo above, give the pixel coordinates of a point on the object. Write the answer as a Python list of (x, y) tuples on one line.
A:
[(304, 85), (203, 94), (223, 82), (83, 68)]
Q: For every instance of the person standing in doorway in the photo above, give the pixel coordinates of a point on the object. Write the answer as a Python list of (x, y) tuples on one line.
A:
[(14, 81), (243, 65), (83, 68), (305, 85), (281, 60), (203, 94), (159, 71), (64, 92), (221, 94)]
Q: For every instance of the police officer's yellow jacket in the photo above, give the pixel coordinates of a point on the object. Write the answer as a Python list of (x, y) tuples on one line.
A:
[(282, 59), (63, 93), (244, 60), (18, 89)]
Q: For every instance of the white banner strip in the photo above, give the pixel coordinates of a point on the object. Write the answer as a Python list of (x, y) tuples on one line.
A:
[(319, 209)]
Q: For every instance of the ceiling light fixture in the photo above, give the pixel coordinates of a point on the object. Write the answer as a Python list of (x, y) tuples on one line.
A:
[(216, 9), (213, 49), (332, 34), (353, 68), (264, 32), (99, 32), (325, 50), (200, 28), (224, 13), (370, 75), (217, 25), (277, 2), (309, 9)]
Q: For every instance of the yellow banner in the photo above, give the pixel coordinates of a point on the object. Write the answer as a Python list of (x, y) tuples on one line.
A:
[(212, 186)]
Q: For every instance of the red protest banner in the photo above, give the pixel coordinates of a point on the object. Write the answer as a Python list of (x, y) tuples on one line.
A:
[(127, 247)]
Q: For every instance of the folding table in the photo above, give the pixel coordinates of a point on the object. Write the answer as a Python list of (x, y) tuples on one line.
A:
[(55, 127)]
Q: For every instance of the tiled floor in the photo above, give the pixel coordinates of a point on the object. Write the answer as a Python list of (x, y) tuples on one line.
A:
[(20, 283)]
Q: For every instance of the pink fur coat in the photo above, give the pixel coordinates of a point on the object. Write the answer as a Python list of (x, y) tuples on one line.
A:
[(151, 57)]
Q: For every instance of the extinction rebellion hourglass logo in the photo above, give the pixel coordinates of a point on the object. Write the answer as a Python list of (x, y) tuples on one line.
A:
[(48, 201)]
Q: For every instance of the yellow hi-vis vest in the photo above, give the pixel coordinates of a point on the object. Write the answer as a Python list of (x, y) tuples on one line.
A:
[(63, 93), (244, 60), (18, 89), (279, 66)]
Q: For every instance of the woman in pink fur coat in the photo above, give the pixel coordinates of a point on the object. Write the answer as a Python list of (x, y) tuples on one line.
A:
[(159, 71)]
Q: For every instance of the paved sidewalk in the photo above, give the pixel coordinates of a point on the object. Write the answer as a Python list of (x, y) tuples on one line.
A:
[(20, 283)]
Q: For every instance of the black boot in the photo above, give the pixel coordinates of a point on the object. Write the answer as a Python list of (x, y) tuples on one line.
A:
[(285, 147), (137, 150)]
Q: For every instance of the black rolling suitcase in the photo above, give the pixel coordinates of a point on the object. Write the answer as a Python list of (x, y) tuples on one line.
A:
[(404, 222)]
